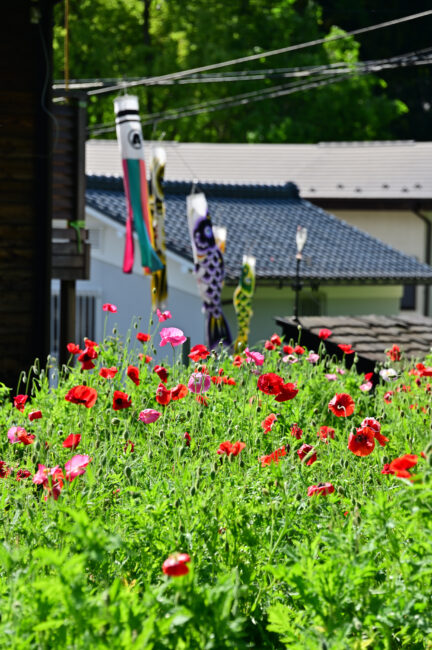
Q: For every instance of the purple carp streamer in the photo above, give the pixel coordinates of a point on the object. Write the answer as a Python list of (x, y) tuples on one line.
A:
[(209, 269)]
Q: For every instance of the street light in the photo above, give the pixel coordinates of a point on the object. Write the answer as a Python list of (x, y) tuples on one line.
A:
[(301, 236)]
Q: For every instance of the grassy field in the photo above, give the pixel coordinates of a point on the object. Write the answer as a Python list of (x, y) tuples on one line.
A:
[(203, 526)]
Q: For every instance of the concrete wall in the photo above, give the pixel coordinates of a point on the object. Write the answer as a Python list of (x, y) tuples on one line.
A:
[(401, 229), (344, 300)]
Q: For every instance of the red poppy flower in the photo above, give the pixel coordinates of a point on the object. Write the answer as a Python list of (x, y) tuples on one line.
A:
[(342, 405), (198, 352), (217, 380), (274, 457), (143, 337), (19, 402), (275, 339), (268, 422), (22, 473), (108, 373), (90, 344), (403, 463), (82, 395), (187, 439), (230, 381), (324, 334), (288, 349), (287, 392), (368, 376), (321, 488), (388, 396), (131, 445), (230, 449), (299, 350), (163, 395), (326, 432), (35, 415), (394, 353), (73, 348), (5, 470), (306, 450), (176, 564), (161, 372), (362, 443), (270, 383), (24, 437), (121, 401), (202, 399), (296, 432), (109, 307), (145, 357), (72, 441), (133, 374), (346, 348), (269, 345), (178, 392), (86, 358)]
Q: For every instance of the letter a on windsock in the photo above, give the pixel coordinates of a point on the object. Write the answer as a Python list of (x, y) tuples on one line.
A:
[(129, 136)]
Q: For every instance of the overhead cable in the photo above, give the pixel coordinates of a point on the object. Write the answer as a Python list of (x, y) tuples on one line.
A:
[(260, 55)]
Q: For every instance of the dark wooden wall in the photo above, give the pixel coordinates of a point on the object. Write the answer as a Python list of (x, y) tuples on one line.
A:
[(26, 144)]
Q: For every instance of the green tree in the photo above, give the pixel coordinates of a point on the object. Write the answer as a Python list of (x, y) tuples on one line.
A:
[(127, 38)]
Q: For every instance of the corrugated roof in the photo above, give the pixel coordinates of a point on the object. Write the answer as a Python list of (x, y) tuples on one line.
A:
[(262, 220), (384, 170)]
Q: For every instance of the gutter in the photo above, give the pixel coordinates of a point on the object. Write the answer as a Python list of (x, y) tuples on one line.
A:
[(428, 227)]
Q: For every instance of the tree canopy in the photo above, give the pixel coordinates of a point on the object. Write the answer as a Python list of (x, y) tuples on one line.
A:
[(140, 38)]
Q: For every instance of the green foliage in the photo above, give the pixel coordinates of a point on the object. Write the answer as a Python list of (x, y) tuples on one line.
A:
[(127, 38), (270, 567)]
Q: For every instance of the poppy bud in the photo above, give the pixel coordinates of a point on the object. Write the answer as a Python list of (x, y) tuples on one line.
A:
[(226, 546), (341, 491), (150, 455), (298, 497), (161, 433), (193, 490), (115, 421), (181, 528), (212, 474), (182, 451), (128, 471), (37, 445), (177, 503), (34, 458), (114, 331), (60, 433)]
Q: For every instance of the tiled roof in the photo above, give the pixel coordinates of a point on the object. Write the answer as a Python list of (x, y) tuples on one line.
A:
[(262, 221), (369, 336), (342, 170)]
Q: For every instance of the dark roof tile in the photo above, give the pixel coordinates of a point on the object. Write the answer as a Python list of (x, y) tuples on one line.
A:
[(262, 220)]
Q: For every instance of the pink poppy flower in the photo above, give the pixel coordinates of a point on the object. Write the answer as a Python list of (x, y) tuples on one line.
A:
[(149, 415), (330, 376), (366, 387), (313, 357), (256, 357), (163, 315), (19, 434), (109, 307), (76, 466), (199, 382), (289, 358), (171, 335)]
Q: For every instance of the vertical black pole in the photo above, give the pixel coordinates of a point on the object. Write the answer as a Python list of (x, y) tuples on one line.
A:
[(297, 288)]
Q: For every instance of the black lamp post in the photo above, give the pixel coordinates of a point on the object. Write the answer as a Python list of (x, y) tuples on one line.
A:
[(301, 236)]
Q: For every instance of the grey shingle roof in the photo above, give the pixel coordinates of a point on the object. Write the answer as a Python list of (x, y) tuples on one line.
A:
[(370, 336), (339, 170), (262, 220)]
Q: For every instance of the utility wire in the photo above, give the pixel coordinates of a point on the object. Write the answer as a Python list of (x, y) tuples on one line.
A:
[(254, 75), (336, 74), (253, 57), (237, 100)]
